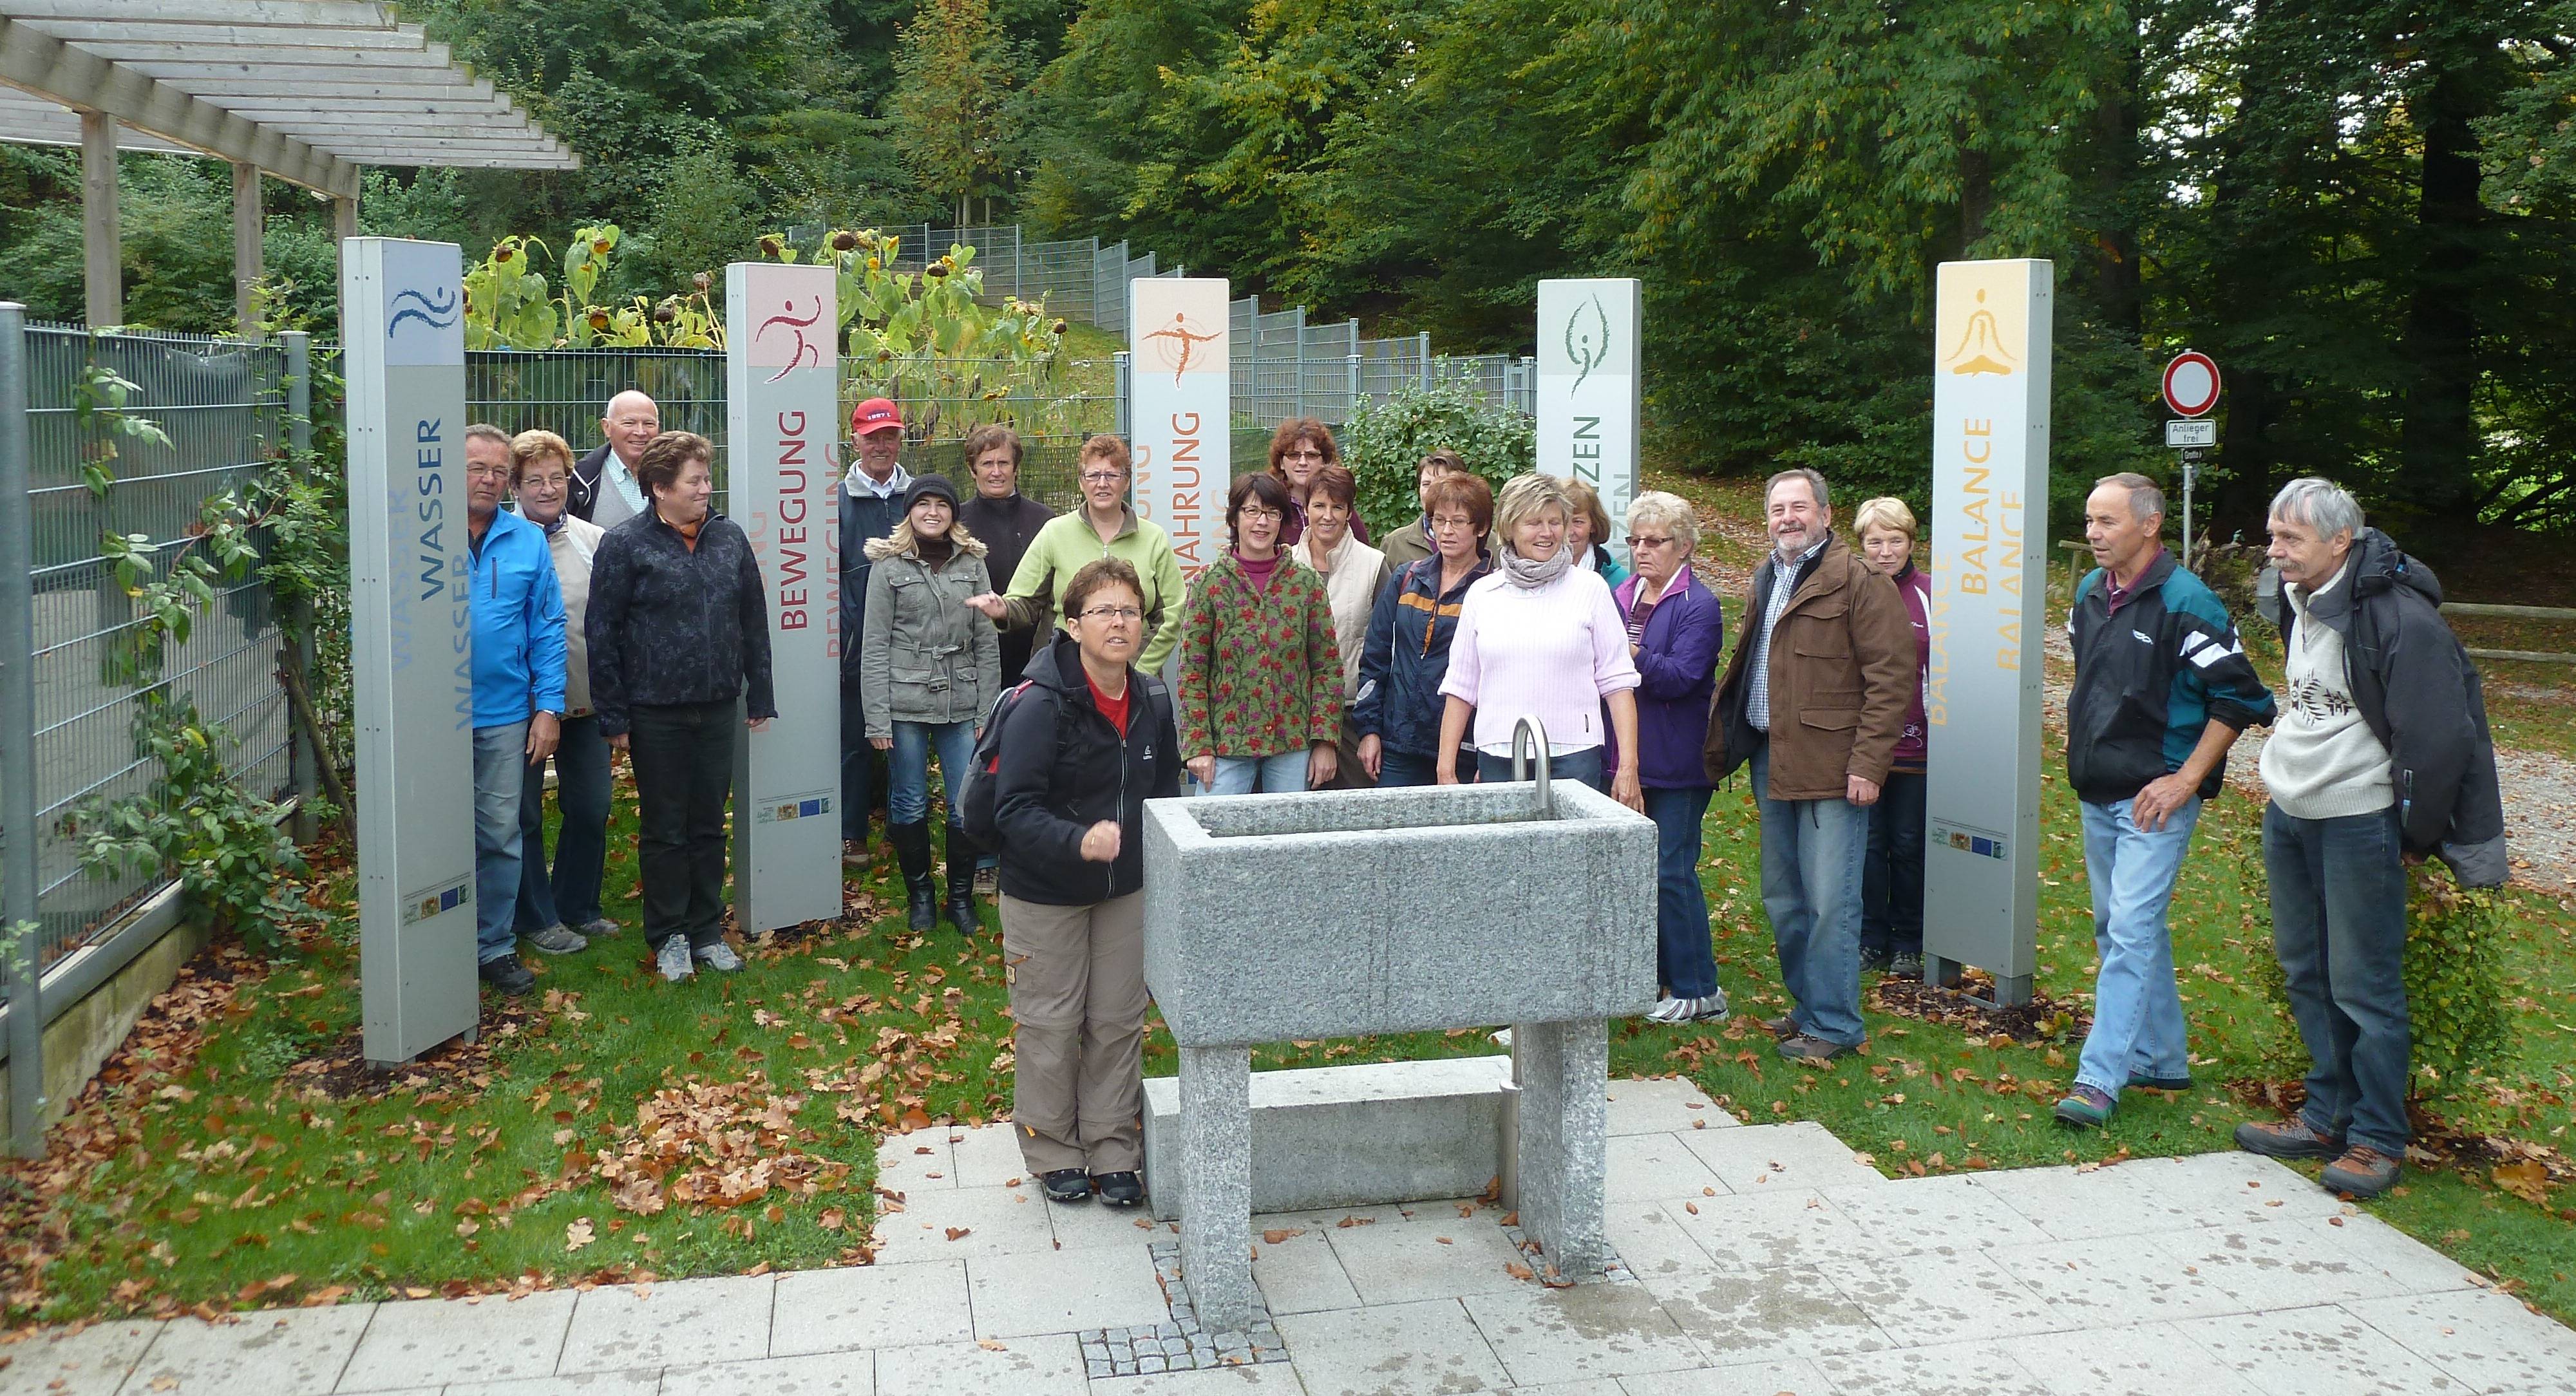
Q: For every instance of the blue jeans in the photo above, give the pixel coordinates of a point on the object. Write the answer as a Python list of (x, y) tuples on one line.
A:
[(1281, 774), (1811, 872), (908, 768), (2339, 926), (500, 776), (570, 896), (1684, 958), (1584, 766), (1398, 769), (1891, 882), (2138, 1027)]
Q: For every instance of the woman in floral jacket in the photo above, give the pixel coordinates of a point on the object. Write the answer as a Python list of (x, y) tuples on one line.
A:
[(1261, 674)]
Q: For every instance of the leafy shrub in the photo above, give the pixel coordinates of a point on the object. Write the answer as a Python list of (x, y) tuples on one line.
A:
[(1385, 440)]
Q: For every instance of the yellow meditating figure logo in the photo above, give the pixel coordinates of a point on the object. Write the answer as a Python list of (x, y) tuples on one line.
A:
[(1981, 344)]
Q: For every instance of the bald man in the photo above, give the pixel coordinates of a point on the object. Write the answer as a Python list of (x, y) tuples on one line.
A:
[(603, 489)]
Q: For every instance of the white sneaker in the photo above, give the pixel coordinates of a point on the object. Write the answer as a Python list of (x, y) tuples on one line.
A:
[(673, 959), (1712, 1009), (1671, 1010), (720, 956)]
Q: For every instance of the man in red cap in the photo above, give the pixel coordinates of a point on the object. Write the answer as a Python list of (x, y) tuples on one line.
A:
[(871, 505)]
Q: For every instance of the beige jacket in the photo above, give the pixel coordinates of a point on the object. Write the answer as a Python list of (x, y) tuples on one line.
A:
[(574, 544), (1354, 574)]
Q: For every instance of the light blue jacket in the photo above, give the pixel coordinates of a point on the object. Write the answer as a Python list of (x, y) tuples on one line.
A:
[(518, 624)]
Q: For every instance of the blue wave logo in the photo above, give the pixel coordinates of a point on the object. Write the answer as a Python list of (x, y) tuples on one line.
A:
[(437, 314)]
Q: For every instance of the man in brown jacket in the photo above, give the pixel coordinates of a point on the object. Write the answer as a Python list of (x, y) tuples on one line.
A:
[(1814, 697)]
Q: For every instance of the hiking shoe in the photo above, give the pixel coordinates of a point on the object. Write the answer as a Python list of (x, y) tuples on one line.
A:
[(988, 882), (2085, 1107), (1813, 1051), (1118, 1189), (2290, 1138), (507, 975), (558, 940), (598, 926), (1783, 1027), (2363, 1172), (1066, 1185), (1875, 958), (2159, 1083), (673, 958), (854, 850), (719, 956), (1905, 964)]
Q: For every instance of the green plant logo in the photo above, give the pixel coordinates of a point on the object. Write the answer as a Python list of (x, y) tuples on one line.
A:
[(1587, 340)]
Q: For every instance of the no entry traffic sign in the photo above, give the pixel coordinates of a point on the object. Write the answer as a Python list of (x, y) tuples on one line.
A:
[(2191, 383)]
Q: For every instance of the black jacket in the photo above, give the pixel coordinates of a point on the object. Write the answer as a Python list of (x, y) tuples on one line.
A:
[(2420, 695), (1062, 768), (1004, 527), (581, 493), (864, 518), (669, 625), (2149, 679)]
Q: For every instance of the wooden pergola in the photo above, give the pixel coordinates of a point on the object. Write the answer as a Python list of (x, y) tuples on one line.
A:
[(306, 91)]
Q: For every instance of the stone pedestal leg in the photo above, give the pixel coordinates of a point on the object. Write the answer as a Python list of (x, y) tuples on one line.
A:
[(1564, 1140), (1216, 1185)]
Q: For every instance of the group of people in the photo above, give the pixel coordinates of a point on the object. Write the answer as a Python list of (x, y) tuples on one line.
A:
[(614, 610)]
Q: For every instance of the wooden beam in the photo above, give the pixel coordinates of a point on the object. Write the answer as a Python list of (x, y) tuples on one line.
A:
[(325, 14), (2524, 656), (2474, 608), (248, 225), (102, 239)]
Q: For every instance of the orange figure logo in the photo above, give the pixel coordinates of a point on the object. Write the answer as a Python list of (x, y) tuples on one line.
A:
[(1179, 342)]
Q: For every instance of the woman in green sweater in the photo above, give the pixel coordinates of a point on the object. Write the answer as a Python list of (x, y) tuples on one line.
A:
[(1261, 674), (1103, 527)]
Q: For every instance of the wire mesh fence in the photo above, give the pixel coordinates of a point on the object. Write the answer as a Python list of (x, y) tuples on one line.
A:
[(222, 404)]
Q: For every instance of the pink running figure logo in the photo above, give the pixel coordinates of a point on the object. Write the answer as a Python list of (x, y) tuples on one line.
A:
[(1180, 342), (807, 353)]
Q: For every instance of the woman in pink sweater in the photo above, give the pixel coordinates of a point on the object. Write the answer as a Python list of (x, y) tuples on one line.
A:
[(1541, 638)]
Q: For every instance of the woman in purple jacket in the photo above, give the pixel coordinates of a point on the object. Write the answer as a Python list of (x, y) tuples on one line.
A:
[(1676, 632), (1891, 886)]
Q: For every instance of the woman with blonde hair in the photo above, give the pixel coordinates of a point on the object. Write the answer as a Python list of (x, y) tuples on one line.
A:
[(930, 667), (559, 912), (1891, 886), (1541, 638)]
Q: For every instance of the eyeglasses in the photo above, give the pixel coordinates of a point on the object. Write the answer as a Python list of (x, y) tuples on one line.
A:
[(1639, 540), (1301, 455), (488, 472), (1255, 513), (1124, 614), (1102, 477), (1448, 522)]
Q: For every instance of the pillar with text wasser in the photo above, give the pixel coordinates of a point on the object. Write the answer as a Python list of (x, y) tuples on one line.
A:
[(782, 414), (1982, 687), (402, 305)]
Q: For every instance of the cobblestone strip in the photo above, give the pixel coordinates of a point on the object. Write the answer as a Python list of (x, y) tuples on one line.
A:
[(1180, 1345)]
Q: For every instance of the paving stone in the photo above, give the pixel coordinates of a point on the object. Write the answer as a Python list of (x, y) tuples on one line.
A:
[(2486, 1340), (1650, 1239), (1041, 1366), (1401, 1259), (988, 1156), (1771, 1227), (1661, 1107), (1959, 1369), (1793, 1157), (1599, 1386), (1270, 1379), (1059, 1291), (2316, 1351), (91, 1362), (2213, 1186), (2115, 1286), (1596, 1330), (871, 1306), (2408, 1264), (1301, 1273), (643, 1383), (428, 1342), (1651, 1167), (1942, 1296), (272, 1351), (1794, 1376), (821, 1374), (2270, 1267), (1085, 1225), (1757, 1315), (906, 1162), (693, 1321), (990, 1221), (2073, 1205), (1429, 1348), (1916, 1214), (2149, 1360)]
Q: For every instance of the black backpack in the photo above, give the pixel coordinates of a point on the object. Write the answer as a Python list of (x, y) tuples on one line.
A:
[(982, 772)]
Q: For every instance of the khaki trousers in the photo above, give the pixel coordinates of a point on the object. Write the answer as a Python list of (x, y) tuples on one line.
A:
[(1078, 996)]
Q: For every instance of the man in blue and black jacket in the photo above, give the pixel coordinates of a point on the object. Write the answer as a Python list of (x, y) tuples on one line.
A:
[(2162, 688)]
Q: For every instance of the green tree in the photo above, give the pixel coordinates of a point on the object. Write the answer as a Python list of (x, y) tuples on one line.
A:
[(955, 120)]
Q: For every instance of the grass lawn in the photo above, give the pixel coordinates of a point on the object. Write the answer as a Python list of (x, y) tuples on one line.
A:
[(614, 1127)]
